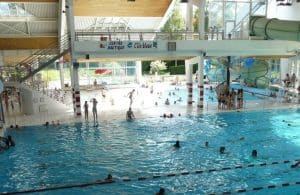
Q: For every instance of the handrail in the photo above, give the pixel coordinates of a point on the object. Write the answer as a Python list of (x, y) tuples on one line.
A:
[(254, 9), (42, 58)]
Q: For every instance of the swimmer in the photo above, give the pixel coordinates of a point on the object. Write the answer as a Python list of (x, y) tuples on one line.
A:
[(129, 115), (179, 114), (109, 177), (177, 145), (10, 141), (296, 164), (47, 124), (161, 191), (222, 150), (171, 115), (206, 144), (254, 153)]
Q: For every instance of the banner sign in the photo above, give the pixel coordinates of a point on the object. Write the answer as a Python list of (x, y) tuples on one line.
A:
[(121, 45)]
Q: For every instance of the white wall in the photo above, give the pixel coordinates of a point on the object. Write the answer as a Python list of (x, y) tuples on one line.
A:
[(284, 12)]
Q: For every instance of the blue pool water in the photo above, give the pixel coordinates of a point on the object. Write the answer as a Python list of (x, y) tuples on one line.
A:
[(209, 96), (78, 153)]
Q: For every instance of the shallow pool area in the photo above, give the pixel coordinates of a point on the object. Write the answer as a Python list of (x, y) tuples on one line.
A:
[(179, 94), (73, 154)]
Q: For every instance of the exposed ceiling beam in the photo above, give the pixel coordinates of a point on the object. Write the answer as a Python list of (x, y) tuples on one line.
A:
[(26, 19), (121, 8), (26, 43)]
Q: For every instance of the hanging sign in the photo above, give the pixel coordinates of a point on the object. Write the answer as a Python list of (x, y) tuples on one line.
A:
[(121, 45)]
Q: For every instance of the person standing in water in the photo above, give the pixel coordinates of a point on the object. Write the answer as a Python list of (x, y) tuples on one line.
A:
[(86, 110), (95, 115)]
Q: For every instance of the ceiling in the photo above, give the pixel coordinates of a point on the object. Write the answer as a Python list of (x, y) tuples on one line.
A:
[(121, 8), (30, 25)]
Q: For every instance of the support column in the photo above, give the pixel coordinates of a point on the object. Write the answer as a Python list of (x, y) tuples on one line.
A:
[(200, 82), (76, 88), (75, 65), (189, 81), (61, 73), (62, 32), (201, 24), (138, 71), (72, 86)]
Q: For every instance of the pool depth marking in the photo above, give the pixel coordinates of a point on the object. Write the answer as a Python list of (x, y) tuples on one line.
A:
[(127, 179)]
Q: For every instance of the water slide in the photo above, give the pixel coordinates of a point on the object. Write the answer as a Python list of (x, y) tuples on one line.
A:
[(252, 71), (274, 29)]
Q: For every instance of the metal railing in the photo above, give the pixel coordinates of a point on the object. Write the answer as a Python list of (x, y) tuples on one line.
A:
[(146, 36), (235, 32), (37, 61)]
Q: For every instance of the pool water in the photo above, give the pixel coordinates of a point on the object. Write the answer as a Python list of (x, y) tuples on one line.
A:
[(210, 96), (78, 153)]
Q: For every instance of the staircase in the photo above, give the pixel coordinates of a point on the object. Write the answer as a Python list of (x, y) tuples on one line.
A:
[(239, 23), (41, 59)]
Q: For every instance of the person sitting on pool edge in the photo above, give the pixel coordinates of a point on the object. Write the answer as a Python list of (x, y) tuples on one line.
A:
[(129, 115), (177, 145)]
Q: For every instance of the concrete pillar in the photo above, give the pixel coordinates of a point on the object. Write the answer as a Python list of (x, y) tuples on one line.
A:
[(201, 24), (138, 71), (72, 86), (62, 31), (200, 82), (76, 89), (74, 66), (189, 81), (61, 73)]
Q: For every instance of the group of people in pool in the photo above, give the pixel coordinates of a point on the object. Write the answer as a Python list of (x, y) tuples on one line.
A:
[(231, 99), (221, 149), (7, 142), (52, 123)]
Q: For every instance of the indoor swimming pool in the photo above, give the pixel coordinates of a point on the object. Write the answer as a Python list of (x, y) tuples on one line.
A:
[(77, 154)]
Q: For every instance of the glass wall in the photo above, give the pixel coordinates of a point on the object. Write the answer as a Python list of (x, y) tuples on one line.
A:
[(107, 72)]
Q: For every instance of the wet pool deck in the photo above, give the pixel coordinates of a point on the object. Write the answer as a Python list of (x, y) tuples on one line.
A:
[(116, 103)]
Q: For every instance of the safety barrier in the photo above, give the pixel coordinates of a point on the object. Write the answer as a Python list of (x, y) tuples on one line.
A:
[(113, 180)]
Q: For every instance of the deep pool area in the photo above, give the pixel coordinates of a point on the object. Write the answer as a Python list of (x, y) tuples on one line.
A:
[(71, 154)]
